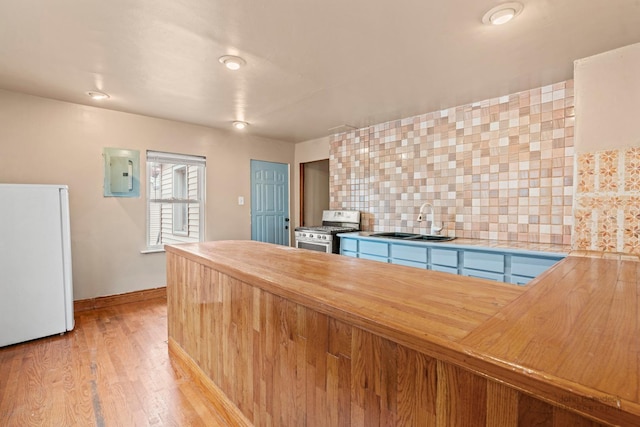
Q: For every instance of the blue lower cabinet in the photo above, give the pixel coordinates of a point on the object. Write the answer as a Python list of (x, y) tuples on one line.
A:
[(484, 265), (409, 253), (444, 257), (485, 261), (530, 266), (517, 267), (411, 256), (348, 245), (374, 248)]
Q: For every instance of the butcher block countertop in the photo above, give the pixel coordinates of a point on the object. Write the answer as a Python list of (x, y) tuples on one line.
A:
[(571, 337)]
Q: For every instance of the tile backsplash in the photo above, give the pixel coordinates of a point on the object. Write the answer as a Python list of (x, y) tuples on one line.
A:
[(607, 205), (496, 169)]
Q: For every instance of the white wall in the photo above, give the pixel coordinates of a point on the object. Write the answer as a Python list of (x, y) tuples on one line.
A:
[(53, 142), (608, 100), (307, 151)]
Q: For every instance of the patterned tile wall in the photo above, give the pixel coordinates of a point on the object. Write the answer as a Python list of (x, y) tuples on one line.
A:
[(497, 169), (607, 205)]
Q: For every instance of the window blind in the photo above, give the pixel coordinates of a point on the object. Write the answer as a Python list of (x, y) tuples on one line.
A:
[(179, 159)]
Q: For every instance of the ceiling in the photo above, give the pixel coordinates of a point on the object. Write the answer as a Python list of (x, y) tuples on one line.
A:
[(311, 65)]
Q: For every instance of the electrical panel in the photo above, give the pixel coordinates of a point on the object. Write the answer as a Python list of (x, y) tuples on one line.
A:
[(121, 172)]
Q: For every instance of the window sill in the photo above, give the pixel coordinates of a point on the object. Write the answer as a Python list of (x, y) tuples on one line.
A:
[(152, 251)]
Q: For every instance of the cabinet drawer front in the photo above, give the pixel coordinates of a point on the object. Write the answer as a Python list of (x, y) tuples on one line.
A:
[(373, 257), (445, 257), (483, 274), (411, 253), (408, 263), (348, 244), (484, 261), (452, 270), (530, 266), (349, 253), (520, 280), (374, 248)]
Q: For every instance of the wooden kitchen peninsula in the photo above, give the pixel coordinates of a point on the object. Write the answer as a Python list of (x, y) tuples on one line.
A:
[(290, 337)]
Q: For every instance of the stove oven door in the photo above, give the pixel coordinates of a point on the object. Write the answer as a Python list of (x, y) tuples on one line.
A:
[(314, 245)]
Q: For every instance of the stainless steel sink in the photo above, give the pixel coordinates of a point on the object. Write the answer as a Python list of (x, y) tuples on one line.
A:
[(412, 236), (395, 235), (432, 238)]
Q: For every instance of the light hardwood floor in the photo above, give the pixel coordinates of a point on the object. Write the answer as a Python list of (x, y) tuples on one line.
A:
[(113, 369)]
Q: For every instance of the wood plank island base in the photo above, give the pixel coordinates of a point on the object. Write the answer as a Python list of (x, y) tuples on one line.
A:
[(291, 337)]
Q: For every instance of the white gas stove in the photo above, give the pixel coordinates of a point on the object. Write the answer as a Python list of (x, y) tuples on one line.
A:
[(323, 237)]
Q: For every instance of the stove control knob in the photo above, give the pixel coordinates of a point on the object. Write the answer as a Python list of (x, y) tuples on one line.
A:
[(324, 237), (311, 236)]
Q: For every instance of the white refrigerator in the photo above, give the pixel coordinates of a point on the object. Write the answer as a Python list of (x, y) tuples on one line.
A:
[(36, 289)]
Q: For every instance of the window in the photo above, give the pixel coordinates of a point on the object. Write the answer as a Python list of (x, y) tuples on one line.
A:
[(180, 210), (175, 199)]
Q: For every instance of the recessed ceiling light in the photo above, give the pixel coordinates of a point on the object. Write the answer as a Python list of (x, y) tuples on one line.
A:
[(232, 62), (98, 96), (240, 125), (502, 13)]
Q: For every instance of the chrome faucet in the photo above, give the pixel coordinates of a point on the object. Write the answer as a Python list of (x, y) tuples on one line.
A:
[(434, 228)]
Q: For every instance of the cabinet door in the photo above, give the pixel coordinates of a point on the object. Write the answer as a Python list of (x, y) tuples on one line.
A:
[(444, 257), (374, 248), (409, 253), (530, 266), (348, 245), (485, 261)]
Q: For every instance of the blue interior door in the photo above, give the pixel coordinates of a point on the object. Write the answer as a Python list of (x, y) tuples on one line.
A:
[(270, 202)]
